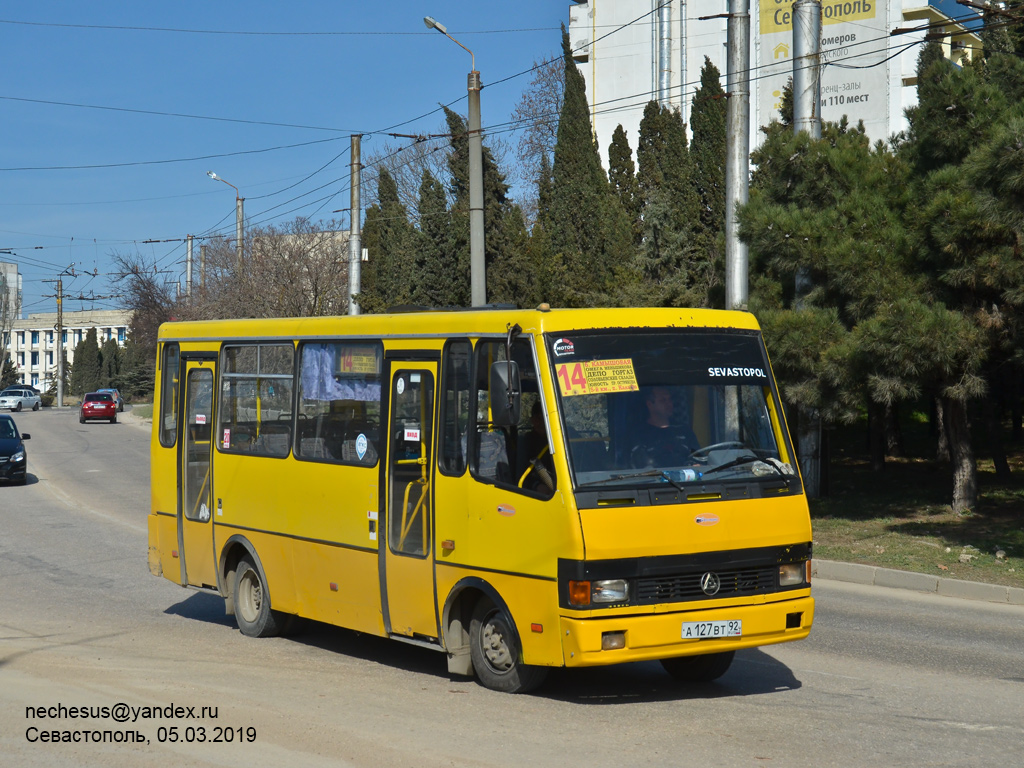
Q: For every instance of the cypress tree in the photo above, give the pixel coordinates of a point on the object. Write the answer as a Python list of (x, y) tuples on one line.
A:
[(708, 122), (503, 227), (670, 209), (388, 236), (588, 229), (622, 177), (442, 277), (110, 356), (87, 373)]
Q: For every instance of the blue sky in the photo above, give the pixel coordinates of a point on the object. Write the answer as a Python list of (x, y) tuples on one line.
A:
[(87, 169)]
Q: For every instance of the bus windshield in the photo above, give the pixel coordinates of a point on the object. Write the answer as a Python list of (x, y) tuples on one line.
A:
[(688, 406)]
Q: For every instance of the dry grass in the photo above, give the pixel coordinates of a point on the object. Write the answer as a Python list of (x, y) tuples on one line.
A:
[(901, 518)]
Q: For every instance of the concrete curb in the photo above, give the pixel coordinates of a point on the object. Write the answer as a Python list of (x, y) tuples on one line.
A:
[(920, 582)]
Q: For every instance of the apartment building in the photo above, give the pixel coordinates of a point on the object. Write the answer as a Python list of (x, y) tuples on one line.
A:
[(34, 347), (633, 51)]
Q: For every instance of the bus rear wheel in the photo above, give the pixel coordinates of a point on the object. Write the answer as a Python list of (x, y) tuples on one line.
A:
[(496, 655), (252, 602), (699, 669)]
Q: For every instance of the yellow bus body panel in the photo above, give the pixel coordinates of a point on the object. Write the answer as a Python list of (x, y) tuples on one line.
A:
[(309, 523)]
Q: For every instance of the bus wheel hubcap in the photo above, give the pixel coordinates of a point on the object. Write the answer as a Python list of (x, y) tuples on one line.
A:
[(495, 648)]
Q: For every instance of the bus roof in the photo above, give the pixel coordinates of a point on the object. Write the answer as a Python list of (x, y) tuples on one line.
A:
[(482, 321)]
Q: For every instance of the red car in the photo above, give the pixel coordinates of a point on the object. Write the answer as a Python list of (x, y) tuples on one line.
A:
[(98, 405)]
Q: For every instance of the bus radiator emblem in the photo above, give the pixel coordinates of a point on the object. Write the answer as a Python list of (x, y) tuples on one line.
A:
[(705, 519), (710, 583)]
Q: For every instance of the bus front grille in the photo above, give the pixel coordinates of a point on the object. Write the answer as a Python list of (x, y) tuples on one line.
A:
[(673, 588)]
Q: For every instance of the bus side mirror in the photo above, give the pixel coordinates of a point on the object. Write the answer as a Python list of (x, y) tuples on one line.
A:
[(506, 396)]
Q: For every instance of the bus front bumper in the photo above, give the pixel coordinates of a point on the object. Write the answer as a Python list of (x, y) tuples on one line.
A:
[(660, 635)]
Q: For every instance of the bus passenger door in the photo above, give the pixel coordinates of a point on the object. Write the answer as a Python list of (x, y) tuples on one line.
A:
[(195, 486), (409, 515)]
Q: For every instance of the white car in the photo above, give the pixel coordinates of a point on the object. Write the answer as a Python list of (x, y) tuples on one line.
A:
[(18, 398)]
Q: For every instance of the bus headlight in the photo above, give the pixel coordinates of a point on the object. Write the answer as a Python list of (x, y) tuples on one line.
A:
[(791, 574), (584, 593), (610, 591)]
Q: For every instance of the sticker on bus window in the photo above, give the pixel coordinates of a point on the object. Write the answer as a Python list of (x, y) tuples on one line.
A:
[(227, 438), (358, 360), (200, 418), (594, 377)]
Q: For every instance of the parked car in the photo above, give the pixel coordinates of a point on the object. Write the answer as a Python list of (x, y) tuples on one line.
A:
[(12, 451), (19, 398), (116, 395), (98, 405)]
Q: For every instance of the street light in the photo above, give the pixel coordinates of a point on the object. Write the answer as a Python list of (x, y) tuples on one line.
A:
[(477, 266), (239, 217)]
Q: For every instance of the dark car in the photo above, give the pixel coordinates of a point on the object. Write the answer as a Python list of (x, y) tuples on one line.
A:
[(12, 451), (98, 405), (117, 397)]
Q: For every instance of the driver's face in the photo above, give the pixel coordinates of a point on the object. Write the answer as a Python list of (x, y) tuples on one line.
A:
[(660, 406)]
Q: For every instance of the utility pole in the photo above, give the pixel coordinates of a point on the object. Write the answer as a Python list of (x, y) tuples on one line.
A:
[(806, 67), (202, 269), (188, 268), (807, 117), (737, 159), (60, 343), (354, 239), (477, 264), (59, 328)]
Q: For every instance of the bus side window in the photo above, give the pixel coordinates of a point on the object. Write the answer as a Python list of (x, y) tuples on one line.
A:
[(512, 456), (339, 402), (168, 418), (455, 400)]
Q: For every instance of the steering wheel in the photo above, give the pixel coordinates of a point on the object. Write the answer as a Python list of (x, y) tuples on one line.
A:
[(542, 473), (642, 456), (702, 453)]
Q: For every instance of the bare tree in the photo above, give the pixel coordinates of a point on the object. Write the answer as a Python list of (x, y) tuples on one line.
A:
[(143, 290), (536, 117), (300, 270)]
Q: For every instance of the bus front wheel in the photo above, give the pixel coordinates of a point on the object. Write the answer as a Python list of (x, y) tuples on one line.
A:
[(496, 654), (699, 669), (252, 602)]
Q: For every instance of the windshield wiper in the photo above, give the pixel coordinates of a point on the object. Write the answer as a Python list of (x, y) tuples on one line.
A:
[(735, 463), (633, 475), (748, 460)]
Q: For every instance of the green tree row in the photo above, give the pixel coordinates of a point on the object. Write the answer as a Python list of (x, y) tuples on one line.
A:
[(129, 369), (647, 232)]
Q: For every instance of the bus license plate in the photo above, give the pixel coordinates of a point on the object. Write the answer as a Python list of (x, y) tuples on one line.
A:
[(700, 630)]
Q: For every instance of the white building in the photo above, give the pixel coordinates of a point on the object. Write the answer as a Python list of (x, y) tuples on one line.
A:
[(33, 345), (868, 72)]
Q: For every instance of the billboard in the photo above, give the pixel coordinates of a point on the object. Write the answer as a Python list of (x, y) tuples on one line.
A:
[(854, 53)]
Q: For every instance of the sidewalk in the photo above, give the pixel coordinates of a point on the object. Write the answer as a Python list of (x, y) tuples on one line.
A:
[(921, 582)]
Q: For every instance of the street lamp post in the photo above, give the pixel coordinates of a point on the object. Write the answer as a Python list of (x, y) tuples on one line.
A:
[(239, 217), (477, 266)]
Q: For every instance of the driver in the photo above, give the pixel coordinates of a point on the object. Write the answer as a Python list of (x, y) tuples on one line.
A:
[(659, 441)]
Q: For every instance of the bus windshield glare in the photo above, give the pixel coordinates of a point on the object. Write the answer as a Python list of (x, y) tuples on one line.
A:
[(687, 406)]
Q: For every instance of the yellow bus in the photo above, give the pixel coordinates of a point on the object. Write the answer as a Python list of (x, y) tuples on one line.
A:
[(518, 489)]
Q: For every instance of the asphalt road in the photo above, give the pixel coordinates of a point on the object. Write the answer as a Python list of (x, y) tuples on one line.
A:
[(887, 677)]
